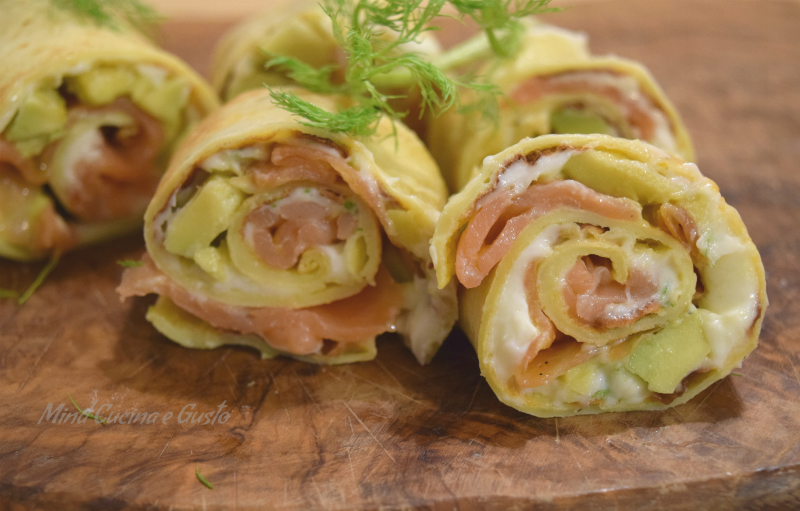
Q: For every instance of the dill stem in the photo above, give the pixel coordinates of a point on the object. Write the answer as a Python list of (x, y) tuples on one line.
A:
[(89, 415), (202, 479), (464, 53), (397, 77), (476, 48), (39, 278)]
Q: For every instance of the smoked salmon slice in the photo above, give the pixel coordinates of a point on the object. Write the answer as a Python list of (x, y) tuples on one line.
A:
[(295, 331), (495, 226)]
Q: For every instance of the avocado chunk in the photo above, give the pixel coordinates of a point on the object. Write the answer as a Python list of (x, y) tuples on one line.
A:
[(44, 112), (164, 101), (203, 218), (163, 98), (211, 261), (666, 357), (611, 174), (102, 85), (571, 120), (586, 379)]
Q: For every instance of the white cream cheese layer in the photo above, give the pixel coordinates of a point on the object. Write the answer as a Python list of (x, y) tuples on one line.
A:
[(234, 160), (520, 175), (511, 330), (731, 305)]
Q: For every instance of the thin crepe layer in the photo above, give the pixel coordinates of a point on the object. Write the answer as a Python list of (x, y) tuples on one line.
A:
[(300, 30), (678, 340)]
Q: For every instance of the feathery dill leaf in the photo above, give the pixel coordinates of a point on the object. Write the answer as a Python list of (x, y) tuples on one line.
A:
[(314, 79), (357, 120), (374, 36), (499, 19), (106, 13)]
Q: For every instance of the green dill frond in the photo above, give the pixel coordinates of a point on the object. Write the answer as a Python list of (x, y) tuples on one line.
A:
[(314, 79), (108, 13), (129, 263), (202, 479), (357, 120), (374, 36), (499, 19)]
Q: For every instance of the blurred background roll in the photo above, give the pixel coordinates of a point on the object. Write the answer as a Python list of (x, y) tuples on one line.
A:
[(89, 115), (554, 85)]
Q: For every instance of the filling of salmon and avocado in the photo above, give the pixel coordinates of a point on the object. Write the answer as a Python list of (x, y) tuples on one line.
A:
[(276, 245), (604, 292), (594, 101), (87, 151)]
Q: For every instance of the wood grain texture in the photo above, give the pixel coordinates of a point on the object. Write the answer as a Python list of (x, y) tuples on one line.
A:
[(390, 434)]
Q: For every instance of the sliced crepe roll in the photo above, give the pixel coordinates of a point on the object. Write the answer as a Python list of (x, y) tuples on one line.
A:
[(88, 118), (555, 86), (295, 240), (599, 274)]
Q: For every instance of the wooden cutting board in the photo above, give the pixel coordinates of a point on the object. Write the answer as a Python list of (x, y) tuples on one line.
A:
[(390, 434)]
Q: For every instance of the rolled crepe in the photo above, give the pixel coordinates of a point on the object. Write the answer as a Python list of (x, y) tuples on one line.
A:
[(303, 31), (295, 240), (554, 85), (300, 30), (599, 274), (88, 118)]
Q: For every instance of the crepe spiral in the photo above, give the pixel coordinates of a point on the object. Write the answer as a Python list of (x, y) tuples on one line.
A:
[(295, 240), (599, 274)]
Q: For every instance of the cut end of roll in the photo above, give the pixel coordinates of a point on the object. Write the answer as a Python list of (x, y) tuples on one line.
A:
[(588, 281)]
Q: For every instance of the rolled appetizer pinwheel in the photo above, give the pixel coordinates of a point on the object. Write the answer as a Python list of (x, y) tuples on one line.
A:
[(599, 274), (555, 86), (295, 240), (302, 31), (88, 118)]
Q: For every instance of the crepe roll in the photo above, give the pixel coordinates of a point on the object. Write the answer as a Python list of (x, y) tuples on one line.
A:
[(301, 30), (295, 240), (599, 274), (88, 118), (554, 85)]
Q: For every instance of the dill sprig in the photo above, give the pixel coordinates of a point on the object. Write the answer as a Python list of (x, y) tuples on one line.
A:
[(108, 13), (90, 415), (129, 263), (374, 36), (202, 479), (499, 19), (22, 298)]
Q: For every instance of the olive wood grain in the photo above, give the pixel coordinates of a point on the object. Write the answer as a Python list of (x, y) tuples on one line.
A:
[(390, 434)]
